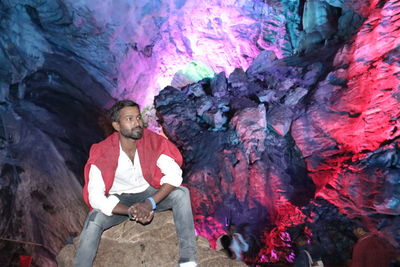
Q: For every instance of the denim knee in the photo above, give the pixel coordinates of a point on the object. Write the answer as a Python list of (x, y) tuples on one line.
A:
[(182, 192), (93, 225)]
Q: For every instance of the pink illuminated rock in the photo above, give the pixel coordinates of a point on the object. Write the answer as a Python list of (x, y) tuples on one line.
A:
[(250, 124), (165, 37), (349, 125), (266, 142)]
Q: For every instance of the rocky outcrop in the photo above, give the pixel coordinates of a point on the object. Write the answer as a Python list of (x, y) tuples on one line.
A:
[(156, 244), (164, 36), (45, 136), (109, 39), (355, 120), (261, 138), (286, 128)]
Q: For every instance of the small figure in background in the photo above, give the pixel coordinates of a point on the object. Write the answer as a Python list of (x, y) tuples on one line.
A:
[(307, 255), (371, 250), (238, 244), (223, 243), (232, 243)]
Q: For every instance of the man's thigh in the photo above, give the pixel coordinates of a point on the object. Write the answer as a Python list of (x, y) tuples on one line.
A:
[(128, 199), (178, 196), (103, 221)]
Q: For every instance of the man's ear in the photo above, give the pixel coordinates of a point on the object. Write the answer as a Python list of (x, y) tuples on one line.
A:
[(115, 125)]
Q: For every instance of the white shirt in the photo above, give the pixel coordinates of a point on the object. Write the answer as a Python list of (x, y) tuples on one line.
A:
[(128, 179), (238, 244)]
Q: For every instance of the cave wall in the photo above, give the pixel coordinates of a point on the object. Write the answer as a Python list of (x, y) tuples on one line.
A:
[(109, 38), (298, 125), (307, 140)]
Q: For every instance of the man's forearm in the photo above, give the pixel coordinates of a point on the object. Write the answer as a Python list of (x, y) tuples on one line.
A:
[(120, 209), (161, 193)]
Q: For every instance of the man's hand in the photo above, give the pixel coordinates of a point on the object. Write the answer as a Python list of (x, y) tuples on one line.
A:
[(141, 212)]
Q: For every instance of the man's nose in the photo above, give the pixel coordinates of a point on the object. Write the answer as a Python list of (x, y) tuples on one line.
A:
[(136, 122)]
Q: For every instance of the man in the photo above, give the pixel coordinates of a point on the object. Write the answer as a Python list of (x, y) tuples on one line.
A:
[(371, 250), (307, 254), (238, 244), (133, 173)]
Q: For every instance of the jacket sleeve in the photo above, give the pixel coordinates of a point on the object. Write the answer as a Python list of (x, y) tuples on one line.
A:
[(170, 169), (96, 190)]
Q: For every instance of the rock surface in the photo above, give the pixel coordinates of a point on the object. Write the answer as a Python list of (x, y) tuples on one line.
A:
[(156, 244), (164, 37), (326, 122), (262, 139), (43, 145)]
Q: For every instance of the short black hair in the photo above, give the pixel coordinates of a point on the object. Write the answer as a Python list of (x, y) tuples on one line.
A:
[(225, 241), (301, 236), (114, 111), (358, 223)]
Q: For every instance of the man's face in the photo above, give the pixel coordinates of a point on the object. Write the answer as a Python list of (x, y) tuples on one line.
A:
[(358, 232), (130, 124)]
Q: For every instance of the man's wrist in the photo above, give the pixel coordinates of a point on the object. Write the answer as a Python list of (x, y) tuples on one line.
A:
[(153, 203)]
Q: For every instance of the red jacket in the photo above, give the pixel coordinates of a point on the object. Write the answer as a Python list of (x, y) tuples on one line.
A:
[(105, 156), (372, 251)]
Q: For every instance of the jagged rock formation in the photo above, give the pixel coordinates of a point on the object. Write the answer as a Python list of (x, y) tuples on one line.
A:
[(61, 64), (259, 140), (108, 39), (165, 36), (43, 147), (254, 142), (156, 244)]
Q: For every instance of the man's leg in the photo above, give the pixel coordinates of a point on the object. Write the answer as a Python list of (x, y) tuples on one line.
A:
[(179, 201), (95, 224)]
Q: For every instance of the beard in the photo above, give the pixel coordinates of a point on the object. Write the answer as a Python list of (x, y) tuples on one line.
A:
[(134, 133)]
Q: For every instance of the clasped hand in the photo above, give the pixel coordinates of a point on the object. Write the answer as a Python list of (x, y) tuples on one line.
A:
[(141, 212)]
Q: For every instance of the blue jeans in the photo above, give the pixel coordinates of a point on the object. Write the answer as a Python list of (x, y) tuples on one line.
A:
[(96, 222)]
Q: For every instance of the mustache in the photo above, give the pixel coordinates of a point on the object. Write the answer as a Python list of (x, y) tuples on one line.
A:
[(138, 127)]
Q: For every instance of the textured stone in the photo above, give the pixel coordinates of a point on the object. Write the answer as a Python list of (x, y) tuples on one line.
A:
[(323, 121), (353, 133), (155, 244), (332, 114), (45, 136), (219, 86), (262, 62), (280, 118), (250, 125), (237, 79), (38, 187), (126, 45), (225, 164), (318, 16)]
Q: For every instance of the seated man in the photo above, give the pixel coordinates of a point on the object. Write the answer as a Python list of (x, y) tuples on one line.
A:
[(133, 173)]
